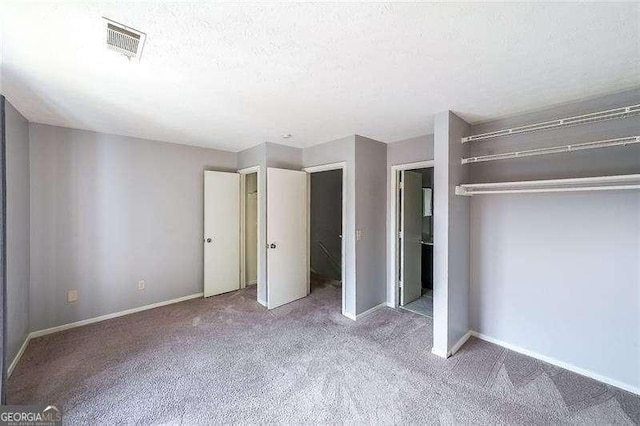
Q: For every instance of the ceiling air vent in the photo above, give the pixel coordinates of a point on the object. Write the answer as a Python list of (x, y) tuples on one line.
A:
[(124, 39)]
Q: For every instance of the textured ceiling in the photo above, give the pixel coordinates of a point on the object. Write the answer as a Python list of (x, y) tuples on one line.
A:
[(232, 76)]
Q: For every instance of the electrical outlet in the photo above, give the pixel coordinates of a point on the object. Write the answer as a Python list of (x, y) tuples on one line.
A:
[(72, 296), (141, 285), (358, 234)]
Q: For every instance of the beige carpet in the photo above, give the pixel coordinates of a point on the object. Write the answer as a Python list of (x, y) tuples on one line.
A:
[(228, 360)]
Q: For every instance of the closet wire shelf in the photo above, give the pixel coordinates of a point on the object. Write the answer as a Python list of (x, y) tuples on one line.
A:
[(596, 183), (630, 140), (621, 112)]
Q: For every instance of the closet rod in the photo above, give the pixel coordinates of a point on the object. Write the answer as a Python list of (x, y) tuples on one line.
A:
[(594, 183), (562, 122), (555, 149)]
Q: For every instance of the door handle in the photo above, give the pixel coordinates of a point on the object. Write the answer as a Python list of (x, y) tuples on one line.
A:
[(208, 240), (272, 246)]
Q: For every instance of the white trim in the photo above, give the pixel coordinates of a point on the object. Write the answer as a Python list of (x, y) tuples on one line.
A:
[(371, 310), (260, 244), (88, 321), (392, 219), (455, 348), (558, 363), (438, 352), (342, 165), (326, 167), (365, 313), (249, 170), (252, 282), (16, 359), (262, 302), (243, 221)]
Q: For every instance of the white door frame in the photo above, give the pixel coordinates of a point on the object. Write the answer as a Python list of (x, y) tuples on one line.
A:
[(243, 185), (323, 168), (393, 285)]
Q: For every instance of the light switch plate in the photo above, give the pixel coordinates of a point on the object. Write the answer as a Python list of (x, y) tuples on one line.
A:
[(358, 234), (141, 285), (72, 296)]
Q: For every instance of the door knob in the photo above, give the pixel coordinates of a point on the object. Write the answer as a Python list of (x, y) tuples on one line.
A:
[(272, 245), (208, 240)]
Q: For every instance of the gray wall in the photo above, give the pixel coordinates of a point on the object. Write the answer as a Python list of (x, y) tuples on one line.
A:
[(371, 197), (17, 149), (342, 150), (326, 223), (451, 235), (410, 150), (558, 274), (107, 211)]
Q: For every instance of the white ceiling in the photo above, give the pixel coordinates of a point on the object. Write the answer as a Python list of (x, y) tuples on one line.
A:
[(232, 76)]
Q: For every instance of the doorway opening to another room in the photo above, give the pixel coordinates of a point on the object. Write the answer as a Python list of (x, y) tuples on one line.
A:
[(327, 215), (413, 239), (250, 227)]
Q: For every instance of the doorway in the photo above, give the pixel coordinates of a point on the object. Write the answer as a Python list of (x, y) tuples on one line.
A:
[(412, 254), (250, 227), (327, 215), (281, 212)]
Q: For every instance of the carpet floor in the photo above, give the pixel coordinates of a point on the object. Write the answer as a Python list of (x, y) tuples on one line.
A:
[(226, 359), (422, 305)]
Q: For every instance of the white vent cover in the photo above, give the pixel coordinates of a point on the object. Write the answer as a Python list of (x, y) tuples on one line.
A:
[(124, 39)]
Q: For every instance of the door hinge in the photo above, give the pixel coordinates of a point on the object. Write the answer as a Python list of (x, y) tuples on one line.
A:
[(400, 185)]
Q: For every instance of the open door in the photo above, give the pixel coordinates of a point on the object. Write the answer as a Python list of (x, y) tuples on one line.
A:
[(411, 237), (221, 232), (287, 271)]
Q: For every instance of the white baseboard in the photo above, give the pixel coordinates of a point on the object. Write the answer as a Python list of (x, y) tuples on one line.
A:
[(440, 353), (252, 282), (558, 363), (369, 311), (459, 343), (365, 313), (110, 316), (16, 359), (349, 315), (262, 302)]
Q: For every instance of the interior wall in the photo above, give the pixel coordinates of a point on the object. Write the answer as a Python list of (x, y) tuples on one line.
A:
[(451, 236), (410, 150), (251, 229), (342, 150), (107, 211), (326, 223), (17, 160), (558, 274), (371, 184)]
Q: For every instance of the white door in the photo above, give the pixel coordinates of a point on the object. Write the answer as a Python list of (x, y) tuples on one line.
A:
[(411, 237), (221, 232), (287, 269)]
